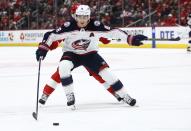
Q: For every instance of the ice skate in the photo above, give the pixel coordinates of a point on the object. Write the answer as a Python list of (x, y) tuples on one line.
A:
[(127, 99), (118, 97), (189, 48), (43, 99), (71, 101)]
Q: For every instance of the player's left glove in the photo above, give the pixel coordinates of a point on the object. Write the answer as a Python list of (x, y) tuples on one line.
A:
[(136, 40)]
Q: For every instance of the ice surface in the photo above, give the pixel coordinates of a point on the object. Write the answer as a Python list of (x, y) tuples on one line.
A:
[(158, 78)]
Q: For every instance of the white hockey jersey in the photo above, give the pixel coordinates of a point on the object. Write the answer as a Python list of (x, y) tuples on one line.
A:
[(79, 40)]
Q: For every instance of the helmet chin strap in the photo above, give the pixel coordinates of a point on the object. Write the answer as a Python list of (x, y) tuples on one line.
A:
[(88, 21), (85, 25)]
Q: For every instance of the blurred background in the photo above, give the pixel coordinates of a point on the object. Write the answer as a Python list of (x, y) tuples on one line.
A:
[(48, 14)]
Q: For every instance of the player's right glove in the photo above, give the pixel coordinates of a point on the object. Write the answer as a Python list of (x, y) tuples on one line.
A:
[(41, 51), (136, 40)]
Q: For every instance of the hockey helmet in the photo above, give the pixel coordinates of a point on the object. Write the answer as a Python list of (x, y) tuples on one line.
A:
[(83, 10)]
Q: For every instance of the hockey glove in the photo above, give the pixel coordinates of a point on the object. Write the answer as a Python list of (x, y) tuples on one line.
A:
[(41, 51), (104, 40), (136, 40)]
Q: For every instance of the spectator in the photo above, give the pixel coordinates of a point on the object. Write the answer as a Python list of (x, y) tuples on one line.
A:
[(44, 14)]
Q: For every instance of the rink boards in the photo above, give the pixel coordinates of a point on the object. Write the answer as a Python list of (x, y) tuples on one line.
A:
[(113, 45), (162, 34)]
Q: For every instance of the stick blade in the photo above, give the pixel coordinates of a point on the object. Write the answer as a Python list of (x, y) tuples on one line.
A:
[(34, 115)]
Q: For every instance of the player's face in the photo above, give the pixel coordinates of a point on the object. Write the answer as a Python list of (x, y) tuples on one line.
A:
[(82, 20)]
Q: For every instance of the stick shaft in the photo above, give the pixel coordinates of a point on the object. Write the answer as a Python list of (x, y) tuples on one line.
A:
[(38, 82), (150, 39)]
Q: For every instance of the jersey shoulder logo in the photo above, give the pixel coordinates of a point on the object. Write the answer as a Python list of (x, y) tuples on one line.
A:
[(67, 24), (58, 29), (81, 44), (97, 23), (107, 27)]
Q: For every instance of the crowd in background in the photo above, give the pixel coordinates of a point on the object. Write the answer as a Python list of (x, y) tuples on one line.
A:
[(47, 14)]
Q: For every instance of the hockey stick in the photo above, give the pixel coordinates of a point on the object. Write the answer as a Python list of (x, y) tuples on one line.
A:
[(150, 39), (173, 39), (35, 114)]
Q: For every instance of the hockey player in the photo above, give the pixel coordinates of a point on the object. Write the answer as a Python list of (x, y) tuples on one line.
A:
[(81, 48), (189, 24), (55, 78)]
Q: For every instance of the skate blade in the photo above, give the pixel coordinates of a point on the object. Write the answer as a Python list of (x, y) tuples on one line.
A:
[(72, 107), (34, 115)]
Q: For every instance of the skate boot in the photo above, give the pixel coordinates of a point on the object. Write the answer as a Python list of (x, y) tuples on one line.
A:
[(43, 99), (118, 97), (127, 99), (189, 48), (71, 101)]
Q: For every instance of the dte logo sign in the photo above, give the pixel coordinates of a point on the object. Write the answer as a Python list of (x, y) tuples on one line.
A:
[(166, 34)]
